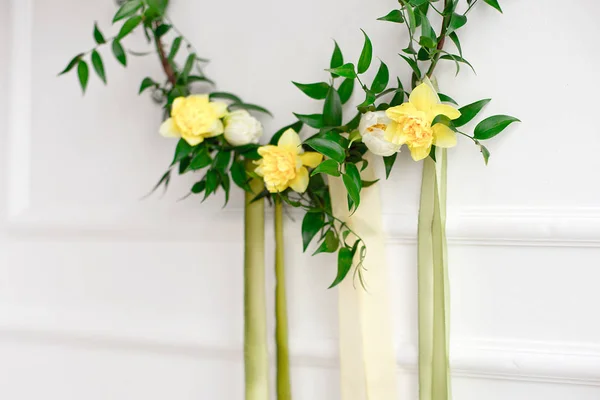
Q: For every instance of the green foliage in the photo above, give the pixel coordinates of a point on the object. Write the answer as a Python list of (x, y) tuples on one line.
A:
[(381, 80), (119, 52), (347, 71), (491, 126), (393, 16), (317, 91), (337, 59), (128, 9), (329, 167), (366, 55), (469, 112), (98, 66), (494, 3), (83, 72), (98, 36), (328, 148), (389, 164), (332, 109)]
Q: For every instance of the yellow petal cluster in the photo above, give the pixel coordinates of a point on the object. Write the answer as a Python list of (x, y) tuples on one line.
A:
[(411, 123), (194, 118), (284, 165)]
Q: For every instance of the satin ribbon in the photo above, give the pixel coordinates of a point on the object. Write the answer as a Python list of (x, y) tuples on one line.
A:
[(367, 361), (434, 366)]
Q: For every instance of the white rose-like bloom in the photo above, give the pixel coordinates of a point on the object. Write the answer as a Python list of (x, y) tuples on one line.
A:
[(242, 128), (372, 129)]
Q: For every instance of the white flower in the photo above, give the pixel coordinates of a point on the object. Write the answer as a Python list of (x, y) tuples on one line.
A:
[(372, 128), (241, 128)]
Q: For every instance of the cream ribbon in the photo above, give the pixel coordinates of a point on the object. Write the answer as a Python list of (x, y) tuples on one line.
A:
[(367, 360)]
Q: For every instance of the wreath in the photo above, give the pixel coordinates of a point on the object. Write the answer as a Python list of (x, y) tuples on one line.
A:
[(329, 175)]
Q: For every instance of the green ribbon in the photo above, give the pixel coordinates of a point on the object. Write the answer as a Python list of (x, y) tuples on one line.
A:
[(284, 390), (434, 366), (256, 354)]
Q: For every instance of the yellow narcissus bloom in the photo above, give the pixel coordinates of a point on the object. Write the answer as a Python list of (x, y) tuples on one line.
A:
[(284, 165), (411, 123), (194, 118)]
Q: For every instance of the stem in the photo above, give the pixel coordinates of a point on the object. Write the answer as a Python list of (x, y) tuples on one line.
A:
[(256, 355), (470, 6), (442, 38), (284, 391), (166, 64)]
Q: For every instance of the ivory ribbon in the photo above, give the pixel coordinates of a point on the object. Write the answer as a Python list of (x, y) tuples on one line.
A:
[(434, 367), (367, 360)]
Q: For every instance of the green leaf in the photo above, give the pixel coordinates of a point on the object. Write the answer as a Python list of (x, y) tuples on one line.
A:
[(366, 55), (454, 38), (182, 150), (119, 52), (311, 225), (469, 112), (456, 22), (332, 109), (457, 59), (83, 72), (199, 187), (225, 95), (98, 66), (127, 10), (392, 16), (485, 153), (337, 58), (296, 126), (346, 89), (447, 99), (381, 79), (412, 21), (189, 64), (196, 78), (389, 164), (160, 6), (494, 3), (250, 107), (399, 95), (413, 65), (146, 83), (491, 126), (162, 30), (329, 167), (428, 36), (239, 176), (200, 160), (328, 148), (175, 47), (366, 184), (317, 91), (71, 64), (226, 185), (330, 243), (222, 160), (312, 120), (184, 164), (98, 36), (344, 266), (353, 183), (128, 26), (346, 71), (212, 182)]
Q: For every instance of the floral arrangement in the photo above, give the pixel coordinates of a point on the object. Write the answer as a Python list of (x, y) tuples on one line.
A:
[(219, 140)]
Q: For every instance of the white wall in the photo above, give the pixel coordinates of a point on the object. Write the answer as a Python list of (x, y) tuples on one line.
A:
[(104, 296)]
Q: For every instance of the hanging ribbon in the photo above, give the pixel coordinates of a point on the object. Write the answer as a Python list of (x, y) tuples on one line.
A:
[(284, 390), (434, 368), (256, 356), (367, 361)]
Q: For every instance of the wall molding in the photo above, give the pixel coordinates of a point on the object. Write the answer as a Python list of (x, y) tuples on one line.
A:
[(483, 358), (483, 226)]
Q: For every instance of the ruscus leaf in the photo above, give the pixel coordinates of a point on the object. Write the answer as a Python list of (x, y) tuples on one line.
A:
[(381, 79), (346, 71), (344, 266), (470, 111), (494, 3), (83, 73), (317, 91), (366, 55), (332, 109), (311, 225), (119, 52), (98, 36), (128, 9), (98, 66), (393, 16), (491, 126), (346, 89), (129, 26), (328, 148)]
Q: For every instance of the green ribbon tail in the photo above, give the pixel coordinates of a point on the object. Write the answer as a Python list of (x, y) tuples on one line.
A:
[(434, 365), (256, 354), (284, 387)]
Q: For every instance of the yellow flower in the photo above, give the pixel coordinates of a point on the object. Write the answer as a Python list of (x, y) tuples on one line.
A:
[(284, 165), (194, 118), (411, 123)]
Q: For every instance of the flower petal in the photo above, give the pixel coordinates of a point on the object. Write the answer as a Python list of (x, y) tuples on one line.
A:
[(443, 136), (376, 143), (419, 153), (404, 109), (219, 108), (300, 182), (290, 140), (216, 129), (311, 159), (202, 97), (177, 104), (169, 129), (423, 97), (192, 140), (444, 109), (395, 134), (262, 150)]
